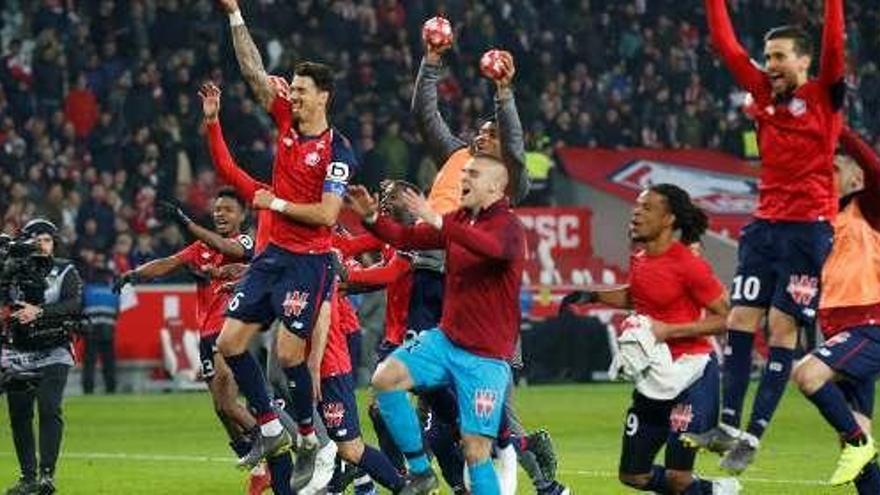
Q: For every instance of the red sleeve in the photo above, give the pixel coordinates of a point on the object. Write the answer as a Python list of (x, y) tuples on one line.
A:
[(189, 254), (382, 274), (280, 111), (419, 236), (356, 245), (864, 155), (503, 240), (833, 61), (701, 282), (229, 171), (732, 53)]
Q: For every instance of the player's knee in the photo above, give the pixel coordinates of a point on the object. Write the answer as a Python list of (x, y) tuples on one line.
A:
[(637, 481), (390, 375), (291, 349), (783, 329), (678, 481), (744, 318), (811, 374), (351, 451), (476, 448), (232, 340)]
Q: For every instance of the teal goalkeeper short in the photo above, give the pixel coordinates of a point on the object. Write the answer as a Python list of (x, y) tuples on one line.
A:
[(480, 383)]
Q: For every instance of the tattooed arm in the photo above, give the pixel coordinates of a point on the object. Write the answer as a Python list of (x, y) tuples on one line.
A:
[(248, 55)]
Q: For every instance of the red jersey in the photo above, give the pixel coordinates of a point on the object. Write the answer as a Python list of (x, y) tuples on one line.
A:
[(394, 273), (245, 185), (674, 287), (485, 256), (797, 137), (211, 300), (336, 360), (305, 168), (348, 318)]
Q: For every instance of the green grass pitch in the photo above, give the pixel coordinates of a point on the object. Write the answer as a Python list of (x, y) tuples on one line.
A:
[(172, 444)]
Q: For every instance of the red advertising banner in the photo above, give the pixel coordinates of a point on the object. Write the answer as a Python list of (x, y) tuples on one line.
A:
[(724, 186), (145, 311)]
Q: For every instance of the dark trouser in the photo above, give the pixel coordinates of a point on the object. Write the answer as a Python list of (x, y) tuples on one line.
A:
[(99, 342), (47, 390)]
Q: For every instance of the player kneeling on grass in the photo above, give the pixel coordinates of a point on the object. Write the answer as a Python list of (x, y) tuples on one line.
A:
[(838, 377), (667, 348)]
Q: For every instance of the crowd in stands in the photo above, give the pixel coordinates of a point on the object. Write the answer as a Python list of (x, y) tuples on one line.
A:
[(99, 113)]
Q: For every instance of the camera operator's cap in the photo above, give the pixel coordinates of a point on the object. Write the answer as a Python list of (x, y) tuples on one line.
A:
[(39, 226)]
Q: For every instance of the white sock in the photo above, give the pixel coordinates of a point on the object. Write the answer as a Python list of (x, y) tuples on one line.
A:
[(507, 470), (272, 428)]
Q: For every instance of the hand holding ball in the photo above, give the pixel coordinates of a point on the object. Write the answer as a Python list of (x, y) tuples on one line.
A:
[(437, 33)]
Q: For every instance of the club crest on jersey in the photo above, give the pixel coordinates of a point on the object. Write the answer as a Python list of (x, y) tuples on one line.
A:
[(484, 402), (333, 413), (295, 302), (312, 158), (797, 107), (680, 417), (803, 288)]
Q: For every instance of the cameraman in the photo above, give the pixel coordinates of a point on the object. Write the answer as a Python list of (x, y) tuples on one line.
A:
[(39, 366)]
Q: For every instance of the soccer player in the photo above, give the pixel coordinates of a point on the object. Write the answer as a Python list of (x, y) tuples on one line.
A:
[(672, 286), (485, 248), (781, 252), (503, 139), (838, 377), (210, 253), (292, 278), (337, 404)]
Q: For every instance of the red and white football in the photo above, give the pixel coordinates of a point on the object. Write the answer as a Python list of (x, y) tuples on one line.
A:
[(491, 64), (437, 31)]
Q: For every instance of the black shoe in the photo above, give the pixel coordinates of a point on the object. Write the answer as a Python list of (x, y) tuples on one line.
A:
[(46, 486), (540, 444), (421, 484), (262, 447), (25, 486)]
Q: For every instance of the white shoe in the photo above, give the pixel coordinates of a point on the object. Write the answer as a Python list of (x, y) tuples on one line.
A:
[(726, 486), (506, 465), (324, 465)]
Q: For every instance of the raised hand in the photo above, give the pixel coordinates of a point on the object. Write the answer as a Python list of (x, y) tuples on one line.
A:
[(418, 205), (263, 199), (172, 213), (364, 204), (210, 95), (509, 71)]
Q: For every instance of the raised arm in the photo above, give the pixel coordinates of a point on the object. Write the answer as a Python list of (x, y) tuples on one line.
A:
[(866, 157), (241, 247), (249, 59), (225, 165), (732, 53), (434, 130), (510, 132), (380, 274), (356, 245), (833, 62)]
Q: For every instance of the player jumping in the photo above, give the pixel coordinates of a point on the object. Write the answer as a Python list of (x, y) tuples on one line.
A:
[(672, 286), (839, 376), (782, 251)]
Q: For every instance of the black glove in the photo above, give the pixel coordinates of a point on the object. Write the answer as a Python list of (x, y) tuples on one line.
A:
[(170, 212), (576, 298), (126, 278)]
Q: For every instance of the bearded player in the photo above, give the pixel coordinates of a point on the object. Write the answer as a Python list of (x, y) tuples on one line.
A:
[(839, 377), (781, 252), (673, 287), (291, 280)]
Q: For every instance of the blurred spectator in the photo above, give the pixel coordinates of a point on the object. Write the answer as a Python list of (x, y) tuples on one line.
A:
[(99, 113), (101, 306)]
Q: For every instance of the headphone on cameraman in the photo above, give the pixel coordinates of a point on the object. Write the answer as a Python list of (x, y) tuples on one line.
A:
[(40, 226)]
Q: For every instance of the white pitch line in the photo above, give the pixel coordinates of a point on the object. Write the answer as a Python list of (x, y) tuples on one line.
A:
[(140, 457), (608, 474), (230, 461)]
